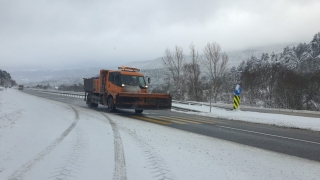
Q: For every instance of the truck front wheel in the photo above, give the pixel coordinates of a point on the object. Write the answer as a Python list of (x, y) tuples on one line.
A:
[(138, 111)]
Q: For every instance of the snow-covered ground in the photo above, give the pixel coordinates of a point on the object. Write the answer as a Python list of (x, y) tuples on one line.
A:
[(44, 139), (256, 117)]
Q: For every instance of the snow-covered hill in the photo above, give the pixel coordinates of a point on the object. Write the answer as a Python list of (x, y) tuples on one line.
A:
[(53, 76), (74, 76), (148, 64), (235, 57)]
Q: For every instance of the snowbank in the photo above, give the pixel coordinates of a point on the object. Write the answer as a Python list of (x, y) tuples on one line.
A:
[(256, 117)]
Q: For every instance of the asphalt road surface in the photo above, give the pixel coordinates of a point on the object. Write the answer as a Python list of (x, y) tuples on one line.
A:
[(295, 142)]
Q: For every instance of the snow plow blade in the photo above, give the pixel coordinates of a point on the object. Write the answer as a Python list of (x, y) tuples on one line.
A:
[(143, 101)]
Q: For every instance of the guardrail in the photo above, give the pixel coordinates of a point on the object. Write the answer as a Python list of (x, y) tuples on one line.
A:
[(249, 108), (190, 103), (64, 93), (223, 106), (184, 109)]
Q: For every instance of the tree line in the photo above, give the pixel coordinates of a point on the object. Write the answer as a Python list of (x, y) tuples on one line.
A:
[(186, 81), (75, 87), (288, 80), (6, 80)]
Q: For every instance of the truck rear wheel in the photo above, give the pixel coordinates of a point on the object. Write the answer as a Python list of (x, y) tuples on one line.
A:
[(138, 111), (111, 106), (88, 100)]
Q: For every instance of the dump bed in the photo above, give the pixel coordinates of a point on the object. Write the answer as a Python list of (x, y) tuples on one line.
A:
[(91, 84), (88, 85)]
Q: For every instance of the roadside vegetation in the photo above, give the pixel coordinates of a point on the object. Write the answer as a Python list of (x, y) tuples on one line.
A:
[(288, 80), (6, 80)]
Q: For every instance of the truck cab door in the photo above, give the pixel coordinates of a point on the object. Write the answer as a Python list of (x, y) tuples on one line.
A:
[(114, 83)]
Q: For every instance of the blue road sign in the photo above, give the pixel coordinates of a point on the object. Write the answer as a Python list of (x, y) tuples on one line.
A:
[(237, 90)]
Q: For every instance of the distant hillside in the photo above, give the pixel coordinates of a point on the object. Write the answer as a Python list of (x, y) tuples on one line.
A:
[(148, 64), (30, 77), (235, 57), (56, 82)]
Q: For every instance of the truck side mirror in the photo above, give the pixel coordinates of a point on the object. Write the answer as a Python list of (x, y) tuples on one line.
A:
[(149, 80)]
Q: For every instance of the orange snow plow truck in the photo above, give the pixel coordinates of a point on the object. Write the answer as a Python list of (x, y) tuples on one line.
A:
[(123, 88)]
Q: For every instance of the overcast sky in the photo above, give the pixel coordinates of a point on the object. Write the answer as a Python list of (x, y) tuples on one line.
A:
[(37, 34)]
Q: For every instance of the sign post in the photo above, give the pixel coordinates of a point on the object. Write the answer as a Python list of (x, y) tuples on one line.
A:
[(236, 99)]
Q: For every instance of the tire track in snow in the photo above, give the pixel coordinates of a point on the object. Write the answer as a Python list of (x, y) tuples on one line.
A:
[(72, 162), (156, 163), (21, 172), (7, 121), (120, 164)]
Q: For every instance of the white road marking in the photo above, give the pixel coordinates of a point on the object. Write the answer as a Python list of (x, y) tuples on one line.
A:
[(269, 135)]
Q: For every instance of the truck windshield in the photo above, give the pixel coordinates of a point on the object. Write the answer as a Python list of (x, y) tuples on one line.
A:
[(133, 80)]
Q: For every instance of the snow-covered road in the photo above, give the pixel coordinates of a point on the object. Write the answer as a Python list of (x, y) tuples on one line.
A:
[(44, 139)]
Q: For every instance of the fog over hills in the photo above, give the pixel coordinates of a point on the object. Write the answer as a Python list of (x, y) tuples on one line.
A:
[(53, 77), (235, 57), (74, 76)]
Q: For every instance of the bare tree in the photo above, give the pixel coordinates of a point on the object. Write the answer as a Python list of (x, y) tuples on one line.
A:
[(214, 69), (192, 74), (174, 61)]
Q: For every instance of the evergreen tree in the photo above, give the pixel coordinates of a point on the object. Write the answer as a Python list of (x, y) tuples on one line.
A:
[(6, 80), (289, 79)]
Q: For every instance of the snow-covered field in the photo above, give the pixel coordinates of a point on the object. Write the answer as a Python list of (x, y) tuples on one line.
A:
[(256, 117), (44, 139)]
